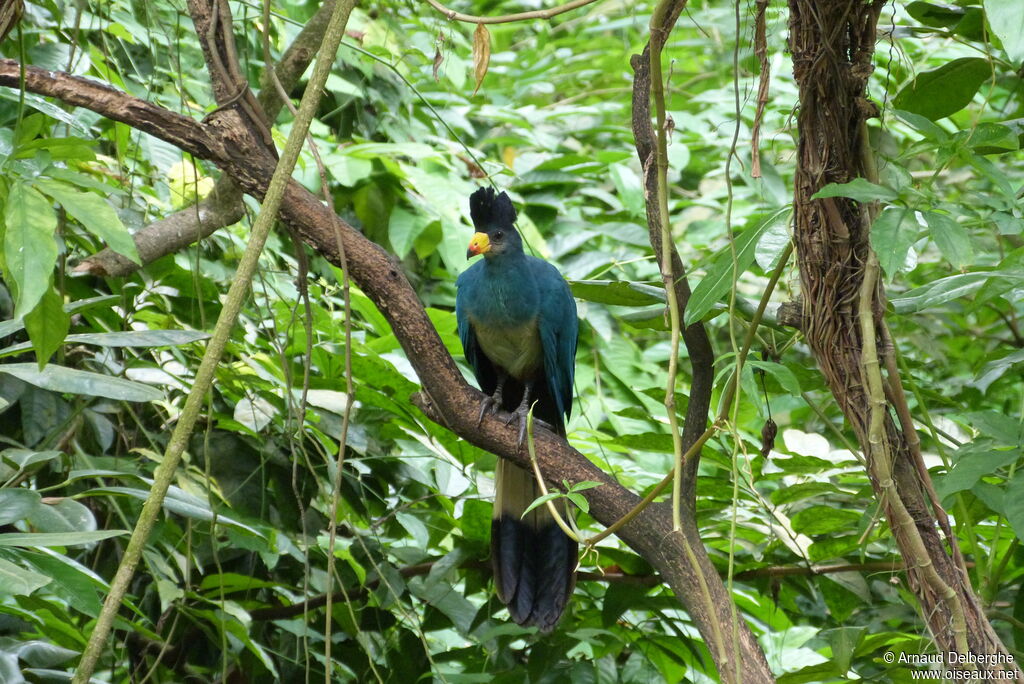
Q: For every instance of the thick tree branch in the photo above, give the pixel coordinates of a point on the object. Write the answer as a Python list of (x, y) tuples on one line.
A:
[(446, 398)]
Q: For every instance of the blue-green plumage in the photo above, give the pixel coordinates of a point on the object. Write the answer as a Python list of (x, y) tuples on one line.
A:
[(518, 327)]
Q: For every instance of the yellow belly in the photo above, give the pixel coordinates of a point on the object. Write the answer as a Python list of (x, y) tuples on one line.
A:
[(517, 350)]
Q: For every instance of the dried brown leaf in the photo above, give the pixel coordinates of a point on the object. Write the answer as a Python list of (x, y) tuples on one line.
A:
[(481, 54)]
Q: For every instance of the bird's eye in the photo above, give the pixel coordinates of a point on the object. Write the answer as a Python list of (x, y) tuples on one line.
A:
[(499, 234)]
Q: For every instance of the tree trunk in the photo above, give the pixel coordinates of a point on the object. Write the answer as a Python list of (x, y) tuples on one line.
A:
[(832, 42)]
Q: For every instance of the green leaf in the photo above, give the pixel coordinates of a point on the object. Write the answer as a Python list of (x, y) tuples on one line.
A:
[(1013, 503), (992, 138), (973, 462), (717, 281), (64, 515), (17, 581), (951, 237), (944, 91), (348, 170), (404, 228), (580, 501), (475, 522), (858, 189), (47, 325), (134, 338), (923, 125), (628, 188), (541, 500), (1006, 19), (1007, 223), (95, 215), (21, 459), (140, 338), (892, 235), (825, 520), (996, 368), (177, 501), (617, 292), (939, 16), (778, 371), (40, 104), (57, 538), (943, 290), (30, 250), (73, 582), (17, 504), (74, 381)]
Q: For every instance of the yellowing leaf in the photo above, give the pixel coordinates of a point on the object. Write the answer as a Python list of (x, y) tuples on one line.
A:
[(187, 184), (481, 54)]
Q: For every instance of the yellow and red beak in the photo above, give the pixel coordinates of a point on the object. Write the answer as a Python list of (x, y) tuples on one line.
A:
[(480, 244)]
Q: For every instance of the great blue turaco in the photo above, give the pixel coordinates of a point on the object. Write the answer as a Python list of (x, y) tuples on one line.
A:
[(517, 323)]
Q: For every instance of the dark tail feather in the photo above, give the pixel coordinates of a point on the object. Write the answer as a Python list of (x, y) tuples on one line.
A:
[(534, 561)]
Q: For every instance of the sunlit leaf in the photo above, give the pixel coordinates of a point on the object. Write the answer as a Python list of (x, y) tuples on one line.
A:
[(1006, 19), (74, 381), (57, 538)]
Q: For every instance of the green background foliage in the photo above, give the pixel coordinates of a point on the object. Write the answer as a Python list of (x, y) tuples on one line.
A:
[(93, 371)]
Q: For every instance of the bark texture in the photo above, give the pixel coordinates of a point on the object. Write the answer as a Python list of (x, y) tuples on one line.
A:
[(832, 43)]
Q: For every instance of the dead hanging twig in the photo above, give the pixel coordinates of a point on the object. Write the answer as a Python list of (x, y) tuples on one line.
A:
[(763, 81)]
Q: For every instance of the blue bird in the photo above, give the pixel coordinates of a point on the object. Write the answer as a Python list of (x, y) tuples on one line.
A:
[(518, 327)]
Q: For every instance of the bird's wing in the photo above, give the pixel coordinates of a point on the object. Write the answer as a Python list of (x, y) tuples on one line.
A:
[(559, 329), (483, 370)]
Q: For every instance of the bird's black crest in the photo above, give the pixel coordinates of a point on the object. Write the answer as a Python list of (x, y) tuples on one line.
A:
[(489, 210)]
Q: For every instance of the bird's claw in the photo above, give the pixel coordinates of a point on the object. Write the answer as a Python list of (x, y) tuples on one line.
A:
[(488, 405), (520, 414)]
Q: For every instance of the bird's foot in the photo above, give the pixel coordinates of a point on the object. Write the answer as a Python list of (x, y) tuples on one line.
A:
[(520, 415), (491, 403), (488, 405)]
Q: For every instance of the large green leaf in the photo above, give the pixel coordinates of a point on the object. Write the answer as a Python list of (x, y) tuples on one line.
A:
[(1013, 503), (617, 292), (93, 212), (1006, 19), (940, 92), (30, 251), (943, 290), (17, 581), (73, 381), (951, 238), (892, 235), (57, 538), (47, 325), (973, 462), (717, 281), (177, 501), (859, 189)]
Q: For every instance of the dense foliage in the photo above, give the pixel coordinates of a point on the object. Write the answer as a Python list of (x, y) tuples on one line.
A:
[(405, 139)]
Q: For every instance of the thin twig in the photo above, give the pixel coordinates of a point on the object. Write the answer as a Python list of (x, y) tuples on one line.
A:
[(452, 15)]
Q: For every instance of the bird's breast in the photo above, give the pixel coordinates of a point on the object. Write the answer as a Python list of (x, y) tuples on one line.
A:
[(516, 348)]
